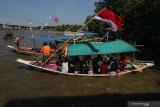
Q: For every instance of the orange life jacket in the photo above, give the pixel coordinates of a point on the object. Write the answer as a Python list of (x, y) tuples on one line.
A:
[(46, 50), (64, 49)]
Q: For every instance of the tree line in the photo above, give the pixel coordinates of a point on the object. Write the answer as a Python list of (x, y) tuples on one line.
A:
[(64, 27), (142, 21)]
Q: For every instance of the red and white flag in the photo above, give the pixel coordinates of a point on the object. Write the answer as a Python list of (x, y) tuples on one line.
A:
[(111, 18), (55, 19)]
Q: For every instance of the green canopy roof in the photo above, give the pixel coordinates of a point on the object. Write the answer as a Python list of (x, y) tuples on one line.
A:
[(117, 46)]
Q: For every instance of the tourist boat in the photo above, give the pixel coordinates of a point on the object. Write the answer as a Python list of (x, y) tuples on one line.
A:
[(112, 47), (36, 49), (82, 37), (22, 50), (8, 35)]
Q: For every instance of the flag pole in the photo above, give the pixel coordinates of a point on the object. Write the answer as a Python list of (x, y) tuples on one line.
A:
[(50, 18), (69, 39), (30, 27)]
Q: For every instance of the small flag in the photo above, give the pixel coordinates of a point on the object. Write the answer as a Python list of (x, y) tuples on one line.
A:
[(50, 18), (56, 20), (111, 18)]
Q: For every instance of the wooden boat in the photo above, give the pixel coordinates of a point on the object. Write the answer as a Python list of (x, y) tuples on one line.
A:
[(34, 50), (82, 37), (94, 49), (52, 67), (24, 50), (8, 35)]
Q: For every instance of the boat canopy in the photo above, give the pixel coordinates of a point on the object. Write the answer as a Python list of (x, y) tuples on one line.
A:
[(90, 33), (117, 46), (48, 38)]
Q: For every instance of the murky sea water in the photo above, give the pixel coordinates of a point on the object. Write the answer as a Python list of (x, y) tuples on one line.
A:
[(24, 87)]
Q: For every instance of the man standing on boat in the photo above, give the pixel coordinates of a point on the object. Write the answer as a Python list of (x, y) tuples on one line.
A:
[(46, 50), (17, 40)]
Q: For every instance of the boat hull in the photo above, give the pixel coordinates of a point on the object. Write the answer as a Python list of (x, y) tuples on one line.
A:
[(24, 50), (52, 67)]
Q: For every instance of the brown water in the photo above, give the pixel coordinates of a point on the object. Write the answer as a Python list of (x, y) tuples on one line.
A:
[(22, 87)]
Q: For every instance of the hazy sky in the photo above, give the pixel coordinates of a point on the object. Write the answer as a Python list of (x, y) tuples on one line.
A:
[(68, 11)]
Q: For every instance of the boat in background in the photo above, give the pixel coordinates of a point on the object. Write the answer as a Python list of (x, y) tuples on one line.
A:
[(8, 35), (36, 50), (24, 50), (82, 37)]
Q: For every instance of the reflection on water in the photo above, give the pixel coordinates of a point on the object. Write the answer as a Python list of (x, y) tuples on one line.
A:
[(17, 81)]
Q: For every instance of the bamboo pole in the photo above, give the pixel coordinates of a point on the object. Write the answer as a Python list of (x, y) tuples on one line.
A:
[(42, 27), (70, 39), (68, 29)]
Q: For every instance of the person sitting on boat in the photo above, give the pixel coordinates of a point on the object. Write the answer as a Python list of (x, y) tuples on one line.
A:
[(104, 68), (110, 63), (52, 46), (46, 50), (115, 67), (77, 65), (106, 58), (64, 50), (71, 65), (87, 65), (123, 62), (17, 40), (65, 65), (97, 62)]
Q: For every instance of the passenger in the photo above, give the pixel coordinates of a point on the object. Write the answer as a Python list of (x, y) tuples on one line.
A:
[(96, 67), (71, 65), (106, 58), (110, 62), (64, 50), (46, 50), (104, 68), (87, 65), (99, 60), (52, 46), (90, 65), (115, 67), (77, 65), (123, 62), (65, 65), (17, 40)]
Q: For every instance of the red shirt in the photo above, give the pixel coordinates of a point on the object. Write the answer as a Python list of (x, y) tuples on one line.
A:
[(104, 68)]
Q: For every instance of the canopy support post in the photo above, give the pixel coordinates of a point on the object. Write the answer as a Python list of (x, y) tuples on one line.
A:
[(133, 57), (107, 34), (34, 45)]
